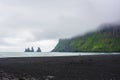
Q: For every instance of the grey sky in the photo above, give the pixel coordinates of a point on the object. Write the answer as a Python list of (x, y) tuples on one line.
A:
[(25, 23)]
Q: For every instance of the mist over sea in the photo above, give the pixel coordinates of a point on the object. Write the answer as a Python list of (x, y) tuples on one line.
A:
[(46, 54)]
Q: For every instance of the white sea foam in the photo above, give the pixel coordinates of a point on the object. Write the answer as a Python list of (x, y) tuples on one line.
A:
[(45, 54)]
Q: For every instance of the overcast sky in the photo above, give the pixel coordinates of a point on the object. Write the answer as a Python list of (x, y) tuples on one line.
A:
[(26, 23)]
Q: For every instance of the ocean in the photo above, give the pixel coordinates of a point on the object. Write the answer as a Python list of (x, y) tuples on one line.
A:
[(45, 54)]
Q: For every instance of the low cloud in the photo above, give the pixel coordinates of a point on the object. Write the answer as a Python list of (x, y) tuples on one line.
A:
[(26, 21)]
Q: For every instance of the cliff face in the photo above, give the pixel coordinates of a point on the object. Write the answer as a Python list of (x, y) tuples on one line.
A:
[(62, 46), (106, 39)]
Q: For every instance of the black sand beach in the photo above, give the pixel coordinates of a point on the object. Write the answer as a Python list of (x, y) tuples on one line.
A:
[(87, 67)]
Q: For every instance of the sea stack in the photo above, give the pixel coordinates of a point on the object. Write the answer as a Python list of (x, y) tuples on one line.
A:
[(38, 50), (29, 50), (32, 50)]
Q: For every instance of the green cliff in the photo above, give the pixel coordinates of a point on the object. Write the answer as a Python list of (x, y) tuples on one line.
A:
[(106, 39)]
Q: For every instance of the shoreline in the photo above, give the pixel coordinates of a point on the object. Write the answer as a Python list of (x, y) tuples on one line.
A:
[(46, 54)]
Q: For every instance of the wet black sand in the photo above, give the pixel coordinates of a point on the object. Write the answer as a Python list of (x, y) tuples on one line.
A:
[(92, 67)]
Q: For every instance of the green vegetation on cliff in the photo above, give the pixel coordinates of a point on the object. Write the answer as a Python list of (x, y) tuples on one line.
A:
[(104, 40)]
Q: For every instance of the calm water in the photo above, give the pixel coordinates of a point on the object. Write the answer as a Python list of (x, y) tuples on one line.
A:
[(44, 54)]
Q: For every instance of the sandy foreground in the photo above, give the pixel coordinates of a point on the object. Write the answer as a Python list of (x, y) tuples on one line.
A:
[(91, 67)]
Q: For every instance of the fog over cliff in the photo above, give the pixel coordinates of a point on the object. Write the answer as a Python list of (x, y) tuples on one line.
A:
[(25, 23)]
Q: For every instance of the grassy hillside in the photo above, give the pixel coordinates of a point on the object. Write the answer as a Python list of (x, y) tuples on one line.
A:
[(104, 40)]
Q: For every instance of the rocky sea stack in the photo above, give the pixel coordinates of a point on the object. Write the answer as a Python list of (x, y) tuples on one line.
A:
[(32, 50)]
